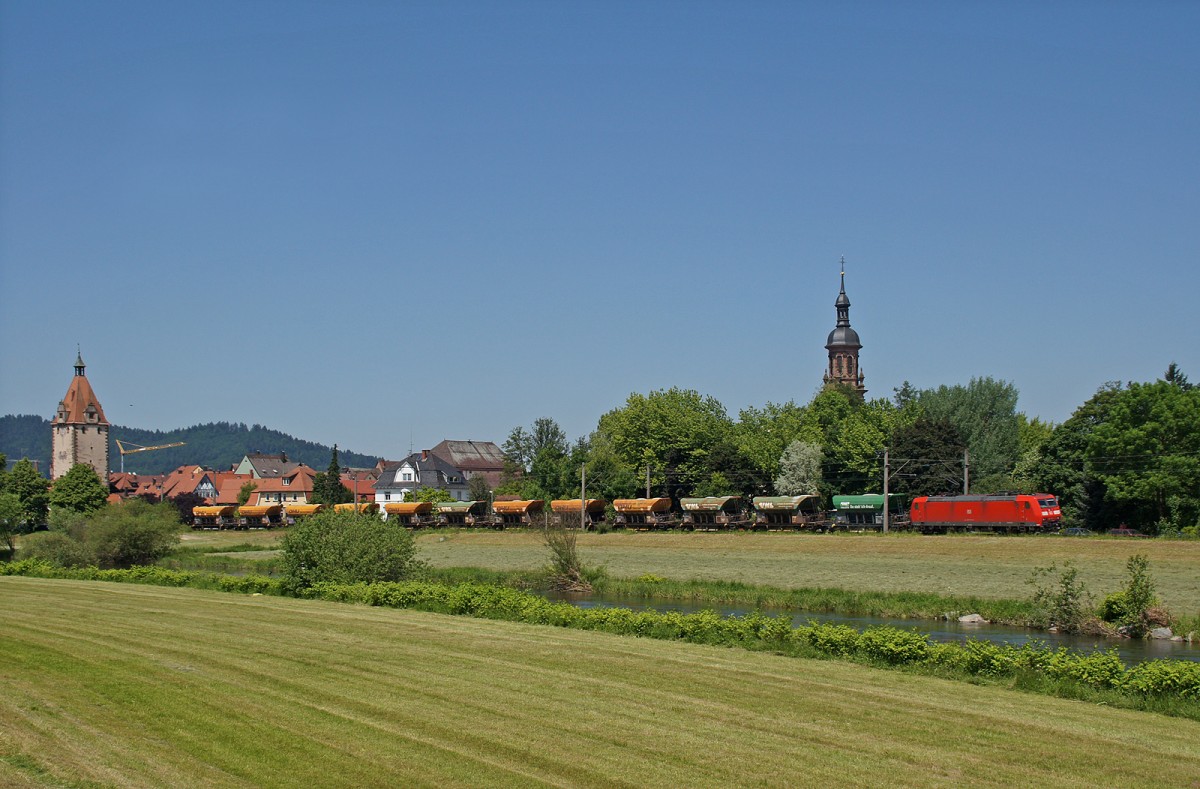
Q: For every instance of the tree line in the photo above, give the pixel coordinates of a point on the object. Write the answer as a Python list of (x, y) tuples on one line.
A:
[(1130, 454)]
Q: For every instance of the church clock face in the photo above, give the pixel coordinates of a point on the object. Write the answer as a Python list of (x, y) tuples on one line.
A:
[(62, 455)]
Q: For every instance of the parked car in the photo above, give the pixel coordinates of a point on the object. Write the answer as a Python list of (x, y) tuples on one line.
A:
[(1126, 533)]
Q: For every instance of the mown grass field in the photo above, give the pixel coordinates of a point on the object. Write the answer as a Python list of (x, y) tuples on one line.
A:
[(984, 566), (122, 685)]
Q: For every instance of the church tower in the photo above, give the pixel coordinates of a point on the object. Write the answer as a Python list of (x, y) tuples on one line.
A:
[(843, 346), (80, 431)]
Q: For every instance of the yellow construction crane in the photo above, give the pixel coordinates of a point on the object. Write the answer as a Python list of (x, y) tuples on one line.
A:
[(138, 448)]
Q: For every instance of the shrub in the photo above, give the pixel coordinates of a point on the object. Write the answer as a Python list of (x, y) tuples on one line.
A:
[(346, 548), (566, 569), (1060, 597), (55, 548), (131, 533), (1139, 595)]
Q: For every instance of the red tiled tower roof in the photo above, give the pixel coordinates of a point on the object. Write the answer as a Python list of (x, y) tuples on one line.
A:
[(80, 406)]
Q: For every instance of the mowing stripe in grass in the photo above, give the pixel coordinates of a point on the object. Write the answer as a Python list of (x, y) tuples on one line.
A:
[(218, 690)]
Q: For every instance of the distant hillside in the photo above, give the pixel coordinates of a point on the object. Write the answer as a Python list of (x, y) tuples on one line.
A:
[(217, 445)]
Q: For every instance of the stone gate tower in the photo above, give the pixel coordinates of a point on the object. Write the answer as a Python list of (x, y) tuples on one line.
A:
[(843, 346), (80, 429)]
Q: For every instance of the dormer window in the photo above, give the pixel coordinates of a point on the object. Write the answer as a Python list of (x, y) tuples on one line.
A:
[(287, 481)]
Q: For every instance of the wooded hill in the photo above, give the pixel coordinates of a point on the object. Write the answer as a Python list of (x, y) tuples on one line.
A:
[(217, 445)]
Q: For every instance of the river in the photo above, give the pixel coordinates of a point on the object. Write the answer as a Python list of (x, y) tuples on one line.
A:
[(1131, 650)]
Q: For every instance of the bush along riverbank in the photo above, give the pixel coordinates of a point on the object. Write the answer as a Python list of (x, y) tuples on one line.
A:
[(1059, 601), (892, 605), (1166, 686)]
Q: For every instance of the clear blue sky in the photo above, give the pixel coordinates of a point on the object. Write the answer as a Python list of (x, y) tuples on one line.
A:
[(372, 223)]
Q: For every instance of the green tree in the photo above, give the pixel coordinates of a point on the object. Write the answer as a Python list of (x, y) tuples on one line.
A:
[(905, 396), (1032, 437), (133, 532), (79, 490), (1064, 469), (428, 494), (327, 485), (477, 488), (762, 434), (985, 413), (926, 458), (1175, 376), (852, 433), (731, 471), (32, 489), (246, 491), (608, 476), (799, 469), (346, 548), (539, 461), (10, 520), (522, 447), (672, 431), (1147, 450), (57, 548)]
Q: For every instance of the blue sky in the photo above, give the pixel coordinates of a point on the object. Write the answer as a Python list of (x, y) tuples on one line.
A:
[(378, 223)]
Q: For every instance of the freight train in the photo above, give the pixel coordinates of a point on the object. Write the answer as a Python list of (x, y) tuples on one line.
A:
[(1003, 513)]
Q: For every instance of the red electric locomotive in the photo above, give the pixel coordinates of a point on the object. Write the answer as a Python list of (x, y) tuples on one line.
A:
[(1037, 512)]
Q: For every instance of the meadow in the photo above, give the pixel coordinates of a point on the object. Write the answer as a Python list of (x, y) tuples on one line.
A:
[(953, 566), (956, 565), (126, 685)]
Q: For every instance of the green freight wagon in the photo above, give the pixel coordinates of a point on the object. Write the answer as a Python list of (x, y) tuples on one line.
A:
[(865, 511)]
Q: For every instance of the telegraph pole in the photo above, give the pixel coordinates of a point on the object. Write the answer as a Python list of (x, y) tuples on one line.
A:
[(886, 508), (647, 480), (583, 497), (966, 472)]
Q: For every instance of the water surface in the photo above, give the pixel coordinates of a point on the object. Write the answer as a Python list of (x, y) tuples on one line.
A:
[(1131, 650)]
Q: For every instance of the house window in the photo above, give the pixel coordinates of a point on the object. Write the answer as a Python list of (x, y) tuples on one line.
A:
[(407, 477), (286, 482), (387, 497)]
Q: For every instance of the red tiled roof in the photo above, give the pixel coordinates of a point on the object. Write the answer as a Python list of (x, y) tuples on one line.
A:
[(75, 403), (229, 486), (300, 481), (121, 481), (183, 480), (365, 486)]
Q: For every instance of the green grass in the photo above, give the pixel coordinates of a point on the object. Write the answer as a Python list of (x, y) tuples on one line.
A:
[(948, 566), (901, 575), (116, 685)]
